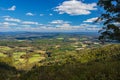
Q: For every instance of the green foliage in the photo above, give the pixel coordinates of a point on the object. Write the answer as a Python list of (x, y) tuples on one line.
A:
[(76, 71), (90, 64), (7, 60)]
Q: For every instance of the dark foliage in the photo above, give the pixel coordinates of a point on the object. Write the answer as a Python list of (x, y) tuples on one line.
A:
[(111, 29), (7, 72)]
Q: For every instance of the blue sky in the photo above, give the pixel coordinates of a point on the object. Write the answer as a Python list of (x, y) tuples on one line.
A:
[(49, 15)]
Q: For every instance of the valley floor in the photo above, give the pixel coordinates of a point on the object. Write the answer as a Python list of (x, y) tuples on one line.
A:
[(100, 63)]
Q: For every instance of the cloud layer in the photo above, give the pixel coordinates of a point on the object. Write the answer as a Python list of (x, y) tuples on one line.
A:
[(14, 24)]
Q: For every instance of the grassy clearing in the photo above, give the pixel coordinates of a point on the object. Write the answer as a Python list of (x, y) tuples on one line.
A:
[(2, 55), (35, 58), (17, 55), (4, 48)]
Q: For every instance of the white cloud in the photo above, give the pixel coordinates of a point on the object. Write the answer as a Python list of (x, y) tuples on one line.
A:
[(59, 22), (91, 20), (7, 24), (60, 25), (11, 24), (68, 27), (90, 27), (25, 25), (6, 16), (30, 23), (30, 14), (74, 7), (12, 8), (12, 19), (51, 14), (41, 14)]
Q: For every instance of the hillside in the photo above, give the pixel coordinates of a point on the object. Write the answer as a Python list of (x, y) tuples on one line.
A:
[(89, 64)]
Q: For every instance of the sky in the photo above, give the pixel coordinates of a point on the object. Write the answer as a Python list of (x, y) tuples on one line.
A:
[(49, 15)]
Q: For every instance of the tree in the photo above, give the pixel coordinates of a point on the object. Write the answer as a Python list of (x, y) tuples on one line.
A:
[(111, 18)]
